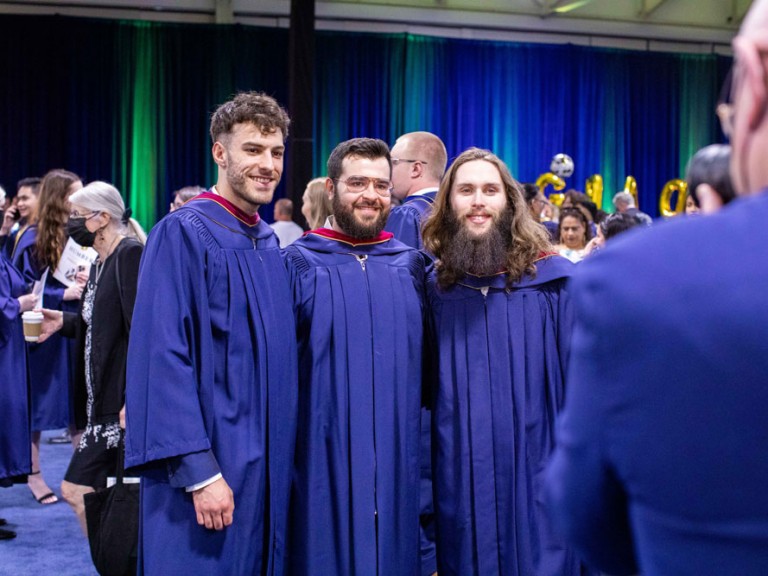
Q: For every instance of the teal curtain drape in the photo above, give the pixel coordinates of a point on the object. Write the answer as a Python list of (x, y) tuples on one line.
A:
[(129, 102)]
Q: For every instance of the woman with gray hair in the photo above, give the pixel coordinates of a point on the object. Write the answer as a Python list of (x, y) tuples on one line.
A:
[(99, 218)]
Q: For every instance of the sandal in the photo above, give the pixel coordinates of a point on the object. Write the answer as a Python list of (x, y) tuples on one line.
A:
[(45, 499)]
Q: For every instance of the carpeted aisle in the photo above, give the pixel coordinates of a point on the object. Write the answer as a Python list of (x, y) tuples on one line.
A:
[(49, 540)]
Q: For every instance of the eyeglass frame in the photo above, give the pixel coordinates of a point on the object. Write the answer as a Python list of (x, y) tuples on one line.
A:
[(396, 161), (368, 182), (78, 215)]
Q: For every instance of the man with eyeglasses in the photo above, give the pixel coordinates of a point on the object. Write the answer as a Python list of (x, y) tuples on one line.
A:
[(358, 296), (660, 466), (418, 165)]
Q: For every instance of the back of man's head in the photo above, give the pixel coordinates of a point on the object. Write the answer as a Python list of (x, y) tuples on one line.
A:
[(749, 112), (284, 210), (425, 159), (623, 200), (249, 108)]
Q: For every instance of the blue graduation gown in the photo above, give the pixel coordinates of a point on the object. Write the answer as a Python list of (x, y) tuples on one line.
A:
[(405, 221), (502, 357), (355, 498), (51, 364), (660, 466), (14, 409), (212, 376)]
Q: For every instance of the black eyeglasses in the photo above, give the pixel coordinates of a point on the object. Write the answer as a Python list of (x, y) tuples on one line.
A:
[(358, 184), (396, 161)]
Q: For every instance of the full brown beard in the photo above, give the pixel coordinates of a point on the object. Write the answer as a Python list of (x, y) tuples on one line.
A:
[(480, 255), (345, 219)]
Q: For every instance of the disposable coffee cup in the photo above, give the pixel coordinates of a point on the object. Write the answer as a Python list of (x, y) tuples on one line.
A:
[(33, 325)]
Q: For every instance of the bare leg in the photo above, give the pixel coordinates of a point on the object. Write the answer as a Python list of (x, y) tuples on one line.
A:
[(76, 435), (73, 494), (35, 480)]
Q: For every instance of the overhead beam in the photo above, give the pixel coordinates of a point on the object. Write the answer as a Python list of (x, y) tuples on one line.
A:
[(225, 13), (739, 9), (649, 6)]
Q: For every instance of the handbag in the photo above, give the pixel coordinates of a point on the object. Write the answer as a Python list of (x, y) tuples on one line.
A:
[(112, 517)]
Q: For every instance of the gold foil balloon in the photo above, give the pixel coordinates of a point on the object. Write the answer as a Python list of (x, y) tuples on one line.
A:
[(557, 199), (594, 189), (630, 185), (549, 178), (665, 201)]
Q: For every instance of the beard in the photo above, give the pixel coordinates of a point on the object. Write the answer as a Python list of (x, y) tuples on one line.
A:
[(479, 255), (351, 225)]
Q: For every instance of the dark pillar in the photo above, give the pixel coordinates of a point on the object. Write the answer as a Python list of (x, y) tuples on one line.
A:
[(301, 61)]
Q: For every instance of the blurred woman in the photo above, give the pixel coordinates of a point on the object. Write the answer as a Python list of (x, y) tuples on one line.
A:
[(50, 364), (574, 233), (315, 204), (98, 218), (15, 462)]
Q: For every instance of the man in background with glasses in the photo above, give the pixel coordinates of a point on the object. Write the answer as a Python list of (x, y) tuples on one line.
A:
[(660, 466), (358, 296), (418, 165)]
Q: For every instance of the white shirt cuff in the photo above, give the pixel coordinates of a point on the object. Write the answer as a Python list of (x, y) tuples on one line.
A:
[(204, 483)]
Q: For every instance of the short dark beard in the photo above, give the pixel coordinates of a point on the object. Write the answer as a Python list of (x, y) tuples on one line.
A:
[(345, 219), (484, 255)]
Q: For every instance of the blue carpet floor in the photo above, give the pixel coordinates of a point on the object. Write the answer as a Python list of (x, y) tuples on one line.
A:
[(49, 540)]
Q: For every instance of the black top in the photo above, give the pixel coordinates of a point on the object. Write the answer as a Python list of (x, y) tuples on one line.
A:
[(111, 322)]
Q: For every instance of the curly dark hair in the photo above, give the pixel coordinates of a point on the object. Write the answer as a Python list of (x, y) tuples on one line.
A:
[(249, 108), (370, 148), (529, 239)]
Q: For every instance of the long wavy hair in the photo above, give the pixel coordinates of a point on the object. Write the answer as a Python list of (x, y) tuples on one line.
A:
[(529, 239), (319, 203), (52, 215)]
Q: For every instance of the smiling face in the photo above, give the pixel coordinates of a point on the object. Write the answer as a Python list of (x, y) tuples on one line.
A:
[(26, 202), (477, 196), (360, 214), (250, 166)]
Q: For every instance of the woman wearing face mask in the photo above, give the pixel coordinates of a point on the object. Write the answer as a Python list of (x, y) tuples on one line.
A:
[(98, 218)]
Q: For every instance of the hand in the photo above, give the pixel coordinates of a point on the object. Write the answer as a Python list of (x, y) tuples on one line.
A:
[(81, 278), (73, 292), (8, 220), (53, 320), (122, 417), (27, 302), (214, 505)]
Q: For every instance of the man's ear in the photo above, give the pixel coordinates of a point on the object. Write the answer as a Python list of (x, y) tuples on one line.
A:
[(219, 154), (329, 188), (417, 169), (753, 81)]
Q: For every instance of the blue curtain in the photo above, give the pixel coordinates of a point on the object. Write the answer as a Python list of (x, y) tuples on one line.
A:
[(129, 102)]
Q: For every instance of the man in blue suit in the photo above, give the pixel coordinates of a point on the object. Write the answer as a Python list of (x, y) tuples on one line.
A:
[(661, 461)]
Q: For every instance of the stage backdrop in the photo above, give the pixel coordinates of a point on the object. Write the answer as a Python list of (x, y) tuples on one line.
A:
[(129, 102)]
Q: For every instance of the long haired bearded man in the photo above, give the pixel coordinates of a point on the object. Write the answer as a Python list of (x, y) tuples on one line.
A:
[(502, 321)]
